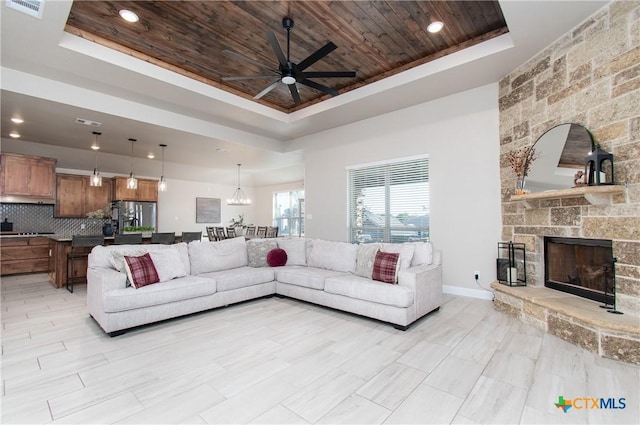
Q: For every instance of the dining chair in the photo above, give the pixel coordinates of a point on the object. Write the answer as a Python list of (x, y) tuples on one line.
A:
[(220, 234), (261, 232), (250, 231), (211, 233), (231, 232), (163, 238), (79, 245), (127, 238), (272, 232), (191, 236)]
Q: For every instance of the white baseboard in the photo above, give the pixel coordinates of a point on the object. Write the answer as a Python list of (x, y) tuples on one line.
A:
[(467, 292)]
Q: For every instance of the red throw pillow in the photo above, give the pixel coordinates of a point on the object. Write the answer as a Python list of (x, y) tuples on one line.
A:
[(141, 271), (277, 257), (385, 267)]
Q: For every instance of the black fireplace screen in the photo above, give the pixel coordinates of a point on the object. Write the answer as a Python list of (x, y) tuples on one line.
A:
[(583, 267)]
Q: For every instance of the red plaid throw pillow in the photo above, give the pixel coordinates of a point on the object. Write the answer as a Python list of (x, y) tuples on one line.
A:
[(141, 271), (385, 267)]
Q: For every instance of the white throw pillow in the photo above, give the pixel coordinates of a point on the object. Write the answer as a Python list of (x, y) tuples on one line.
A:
[(296, 249), (366, 258), (422, 254), (168, 264), (117, 255), (338, 256), (404, 249)]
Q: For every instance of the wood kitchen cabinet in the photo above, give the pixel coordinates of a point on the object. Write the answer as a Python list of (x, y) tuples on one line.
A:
[(27, 176), (24, 255), (147, 190), (75, 197)]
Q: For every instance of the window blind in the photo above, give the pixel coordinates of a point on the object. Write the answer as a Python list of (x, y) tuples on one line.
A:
[(389, 202)]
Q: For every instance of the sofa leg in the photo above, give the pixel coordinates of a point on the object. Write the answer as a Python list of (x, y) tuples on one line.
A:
[(117, 333), (401, 328)]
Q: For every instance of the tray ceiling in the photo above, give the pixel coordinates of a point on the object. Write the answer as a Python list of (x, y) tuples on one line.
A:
[(377, 39)]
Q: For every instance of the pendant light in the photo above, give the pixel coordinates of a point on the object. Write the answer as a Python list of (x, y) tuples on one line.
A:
[(132, 182), (162, 184), (95, 179), (239, 198)]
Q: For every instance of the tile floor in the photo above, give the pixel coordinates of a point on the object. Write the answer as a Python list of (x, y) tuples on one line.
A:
[(282, 361)]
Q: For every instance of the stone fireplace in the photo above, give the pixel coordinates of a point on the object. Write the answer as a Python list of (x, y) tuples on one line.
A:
[(583, 267), (588, 76)]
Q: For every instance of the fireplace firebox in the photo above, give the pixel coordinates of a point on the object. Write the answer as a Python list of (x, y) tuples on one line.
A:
[(583, 267)]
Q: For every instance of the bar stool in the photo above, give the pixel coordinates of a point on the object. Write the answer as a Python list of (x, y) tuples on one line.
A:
[(191, 236), (272, 232), (127, 239), (163, 238), (79, 243), (262, 232)]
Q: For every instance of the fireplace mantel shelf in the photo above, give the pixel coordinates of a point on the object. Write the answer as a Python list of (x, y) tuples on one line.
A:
[(596, 195)]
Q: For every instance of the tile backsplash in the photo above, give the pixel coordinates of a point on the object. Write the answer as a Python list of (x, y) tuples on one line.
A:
[(39, 218)]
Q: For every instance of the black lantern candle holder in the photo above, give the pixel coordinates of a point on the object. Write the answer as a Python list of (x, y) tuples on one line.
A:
[(511, 265), (598, 167)]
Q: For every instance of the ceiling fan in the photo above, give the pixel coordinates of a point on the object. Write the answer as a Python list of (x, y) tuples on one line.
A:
[(290, 73)]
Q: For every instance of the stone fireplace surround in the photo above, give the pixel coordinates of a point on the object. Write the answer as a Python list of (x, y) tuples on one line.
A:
[(588, 76)]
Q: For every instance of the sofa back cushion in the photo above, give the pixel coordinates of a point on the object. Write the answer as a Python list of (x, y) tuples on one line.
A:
[(338, 256), (404, 249), (422, 254), (208, 256), (112, 256), (296, 249)]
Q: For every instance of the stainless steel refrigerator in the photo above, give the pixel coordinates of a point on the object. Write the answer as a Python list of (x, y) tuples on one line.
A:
[(134, 213)]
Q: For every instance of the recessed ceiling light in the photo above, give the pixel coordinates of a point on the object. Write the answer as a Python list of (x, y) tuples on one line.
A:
[(14, 134), (435, 27), (151, 155), (95, 147), (17, 120), (128, 15)]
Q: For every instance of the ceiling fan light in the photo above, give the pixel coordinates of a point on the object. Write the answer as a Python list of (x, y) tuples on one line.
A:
[(288, 79), (435, 27)]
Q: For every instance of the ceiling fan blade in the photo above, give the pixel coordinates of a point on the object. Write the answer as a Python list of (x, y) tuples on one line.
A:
[(247, 59), (251, 77), (317, 55), (320, 87), (329, 74), (294, 93), (277, 49), (267, 90)]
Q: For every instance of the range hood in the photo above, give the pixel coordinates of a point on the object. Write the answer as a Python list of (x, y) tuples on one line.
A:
[(27, 200)]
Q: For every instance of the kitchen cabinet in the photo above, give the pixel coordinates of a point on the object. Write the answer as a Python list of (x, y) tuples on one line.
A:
[(75, 197), (147, 190), (27, 176), (24, 254)]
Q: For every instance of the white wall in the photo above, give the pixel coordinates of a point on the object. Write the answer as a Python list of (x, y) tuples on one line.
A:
[(460, 135)]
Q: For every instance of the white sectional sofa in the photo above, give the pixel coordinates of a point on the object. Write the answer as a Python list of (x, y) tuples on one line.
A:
[(205, 275)]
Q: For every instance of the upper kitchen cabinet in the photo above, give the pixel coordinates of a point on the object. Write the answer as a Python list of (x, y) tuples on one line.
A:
[(75, 197), (147, 190), (26, 178)]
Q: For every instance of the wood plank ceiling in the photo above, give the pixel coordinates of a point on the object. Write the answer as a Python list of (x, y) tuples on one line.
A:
[(376, 39)]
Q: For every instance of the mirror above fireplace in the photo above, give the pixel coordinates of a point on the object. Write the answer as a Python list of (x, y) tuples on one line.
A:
[(561, 152)]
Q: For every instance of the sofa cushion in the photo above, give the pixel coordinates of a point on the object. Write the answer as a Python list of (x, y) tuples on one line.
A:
[(214, 256), (226, 280), (422, 253), (404, 249), (338, 256), (168, 264), (296, 249), (257, 250), (112, 256), (365, 258), (385, 267), (277, 257), (159, 293), (369, 290), (140, 270), (309, 277)]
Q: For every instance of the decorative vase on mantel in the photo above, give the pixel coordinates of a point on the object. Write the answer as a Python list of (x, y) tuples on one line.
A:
[(520, 182)]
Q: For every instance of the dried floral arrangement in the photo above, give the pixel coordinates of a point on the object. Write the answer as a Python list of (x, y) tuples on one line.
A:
[(521, 159), (101, 213)]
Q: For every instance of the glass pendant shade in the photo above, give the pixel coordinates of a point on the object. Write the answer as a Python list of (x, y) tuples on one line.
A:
[(162, 184), (96, 179), (132, 182), (239, 198)]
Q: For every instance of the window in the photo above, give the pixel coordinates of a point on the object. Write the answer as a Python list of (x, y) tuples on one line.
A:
[(389, 202), (288, 212)]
